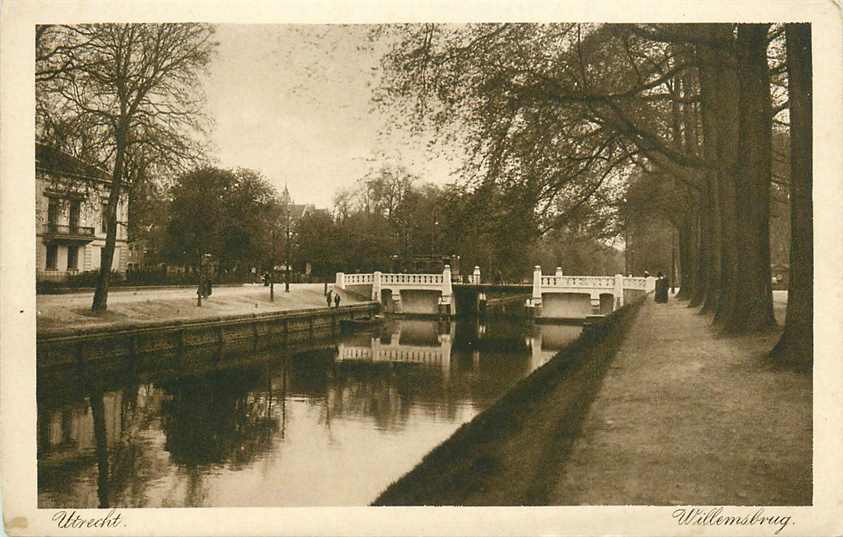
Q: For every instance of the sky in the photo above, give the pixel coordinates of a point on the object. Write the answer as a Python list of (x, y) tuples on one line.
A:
[(293, 102)]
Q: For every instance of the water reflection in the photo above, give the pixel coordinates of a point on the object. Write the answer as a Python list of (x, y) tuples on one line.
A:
[(329, 426)]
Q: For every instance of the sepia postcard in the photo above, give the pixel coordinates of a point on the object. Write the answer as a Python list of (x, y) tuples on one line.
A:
[(405, 268)]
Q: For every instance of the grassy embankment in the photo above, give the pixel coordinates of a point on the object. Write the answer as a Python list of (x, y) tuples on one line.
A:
[(511, 453)]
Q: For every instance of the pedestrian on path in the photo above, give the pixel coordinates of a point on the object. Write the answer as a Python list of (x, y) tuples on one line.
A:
[(337, 300), (662, 286), (329, 297)]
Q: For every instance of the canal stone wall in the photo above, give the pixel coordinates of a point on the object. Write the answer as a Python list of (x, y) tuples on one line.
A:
[(59, 384), (63, 349)]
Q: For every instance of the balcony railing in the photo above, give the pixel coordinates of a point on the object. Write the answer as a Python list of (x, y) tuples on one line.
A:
[(68, 231)]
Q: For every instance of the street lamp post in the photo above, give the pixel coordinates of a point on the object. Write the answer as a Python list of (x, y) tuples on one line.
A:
[(673, 262), (272, 270), (433, 232), (204, 259), (287, 253), (200, 290)]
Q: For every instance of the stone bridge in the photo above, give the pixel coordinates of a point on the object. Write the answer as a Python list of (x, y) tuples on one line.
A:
[(405, 293), (576, 297), (558, 296)]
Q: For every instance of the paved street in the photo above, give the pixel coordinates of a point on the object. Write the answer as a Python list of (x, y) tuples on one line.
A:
[(153, 305)]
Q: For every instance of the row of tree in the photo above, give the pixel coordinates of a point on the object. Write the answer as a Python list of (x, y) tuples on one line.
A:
[(390, 217), (596, 126)]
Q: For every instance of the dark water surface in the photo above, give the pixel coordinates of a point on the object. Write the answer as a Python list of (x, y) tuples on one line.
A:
[(331, 426)]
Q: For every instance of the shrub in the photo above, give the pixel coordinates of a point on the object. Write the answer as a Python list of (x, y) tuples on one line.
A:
[(89, 279)]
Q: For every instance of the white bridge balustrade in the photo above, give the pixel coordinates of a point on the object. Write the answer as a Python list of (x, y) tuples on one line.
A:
[(409, 293), (557, 296), (353, 279), (561, 296)]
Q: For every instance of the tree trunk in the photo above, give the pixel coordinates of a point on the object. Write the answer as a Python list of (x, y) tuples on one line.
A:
[(797, 341), (684, 224), (726, 115), (753, 307), (711, 99), (100, 303), (701, 238), (684, 260), (693, 247), (703, 261)]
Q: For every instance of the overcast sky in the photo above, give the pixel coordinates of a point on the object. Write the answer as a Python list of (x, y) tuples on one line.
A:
[(293, 102)]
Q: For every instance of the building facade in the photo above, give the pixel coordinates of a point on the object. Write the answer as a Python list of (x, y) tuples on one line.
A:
[(71, 199)]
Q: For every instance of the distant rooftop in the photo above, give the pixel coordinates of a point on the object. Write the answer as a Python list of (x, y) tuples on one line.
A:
[(298, 211), (55, 161)]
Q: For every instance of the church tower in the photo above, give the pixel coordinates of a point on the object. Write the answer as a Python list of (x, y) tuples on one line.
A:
[(286, 199)]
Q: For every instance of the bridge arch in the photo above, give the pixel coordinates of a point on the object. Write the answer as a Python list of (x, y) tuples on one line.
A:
[(420, 301)]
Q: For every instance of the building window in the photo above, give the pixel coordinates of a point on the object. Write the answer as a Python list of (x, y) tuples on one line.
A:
[(75, 208), (52, 213), (52, 255), (104, 224), (72, 257)]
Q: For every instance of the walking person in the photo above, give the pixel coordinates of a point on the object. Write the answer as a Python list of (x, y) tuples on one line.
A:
[(337, 300), (329, 298), (661, 289)]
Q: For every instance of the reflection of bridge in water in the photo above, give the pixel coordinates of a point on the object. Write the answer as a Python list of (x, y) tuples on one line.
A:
[(420, 342), (431, 344)]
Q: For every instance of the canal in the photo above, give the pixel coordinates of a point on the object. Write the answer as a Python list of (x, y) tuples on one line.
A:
[(332, 425)]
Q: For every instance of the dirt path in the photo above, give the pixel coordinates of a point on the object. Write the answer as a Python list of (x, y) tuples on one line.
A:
[(686, 417)]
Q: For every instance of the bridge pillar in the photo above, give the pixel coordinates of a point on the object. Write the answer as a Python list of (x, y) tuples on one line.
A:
[(651, 284), (447, 286), (447, 301), (475, 276), (618, 292), (376, 286), (534, 304), (537, 285), (340, 280), (558, 272)]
